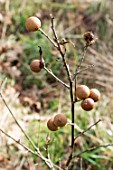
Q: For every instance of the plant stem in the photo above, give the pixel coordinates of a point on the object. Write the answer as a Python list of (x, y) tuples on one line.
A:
[(48, 37), (73, 116), (38, 153), (80, 63), (29, 139), (72, 113), (59, 48), (69, 78), (80, 134), (50, 72), (18, 141)]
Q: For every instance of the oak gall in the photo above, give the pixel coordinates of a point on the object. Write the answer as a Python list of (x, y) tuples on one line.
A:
[(94, 94), (60, 120), (33, 23), (87, 104), (36, 65), (51, 126), (82, 92)]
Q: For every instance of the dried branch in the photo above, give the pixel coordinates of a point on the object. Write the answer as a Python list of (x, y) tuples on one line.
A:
[(92, 149), (70, 156), (50, 72), (87, 68), (75, 86), (82, 133), (18, 141), (68, 74), (29, 139), (78, 71), (48, 141), (54, 44), (78, 68), (47, 161), (59, 47)]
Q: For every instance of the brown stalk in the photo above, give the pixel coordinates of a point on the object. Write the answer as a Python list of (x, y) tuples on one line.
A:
[(80, 134), (68, 74)]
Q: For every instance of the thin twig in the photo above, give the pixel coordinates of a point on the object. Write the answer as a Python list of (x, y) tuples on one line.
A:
[(1, 87), (78, 68), (48, 141), (29, 139), (59, 48), (92, 149), (78, 71), (88, 67), (70, 156), (80, 134), (47, 161), (54, 44), (18, 141), (50, 72)]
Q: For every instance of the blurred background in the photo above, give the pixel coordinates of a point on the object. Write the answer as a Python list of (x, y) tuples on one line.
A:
[(33, 98)]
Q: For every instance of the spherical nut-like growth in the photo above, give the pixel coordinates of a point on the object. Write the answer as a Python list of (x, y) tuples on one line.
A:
[(51, 126), (87, 104), (36, 65), (89, 38), (94, 94), (60, 120), (82, 92), (33, 23)]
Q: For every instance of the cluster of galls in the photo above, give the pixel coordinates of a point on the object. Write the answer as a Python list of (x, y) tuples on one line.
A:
[(57, 121), (88, 96)]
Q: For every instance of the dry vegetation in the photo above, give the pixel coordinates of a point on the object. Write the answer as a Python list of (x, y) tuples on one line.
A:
[(33, 99)]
